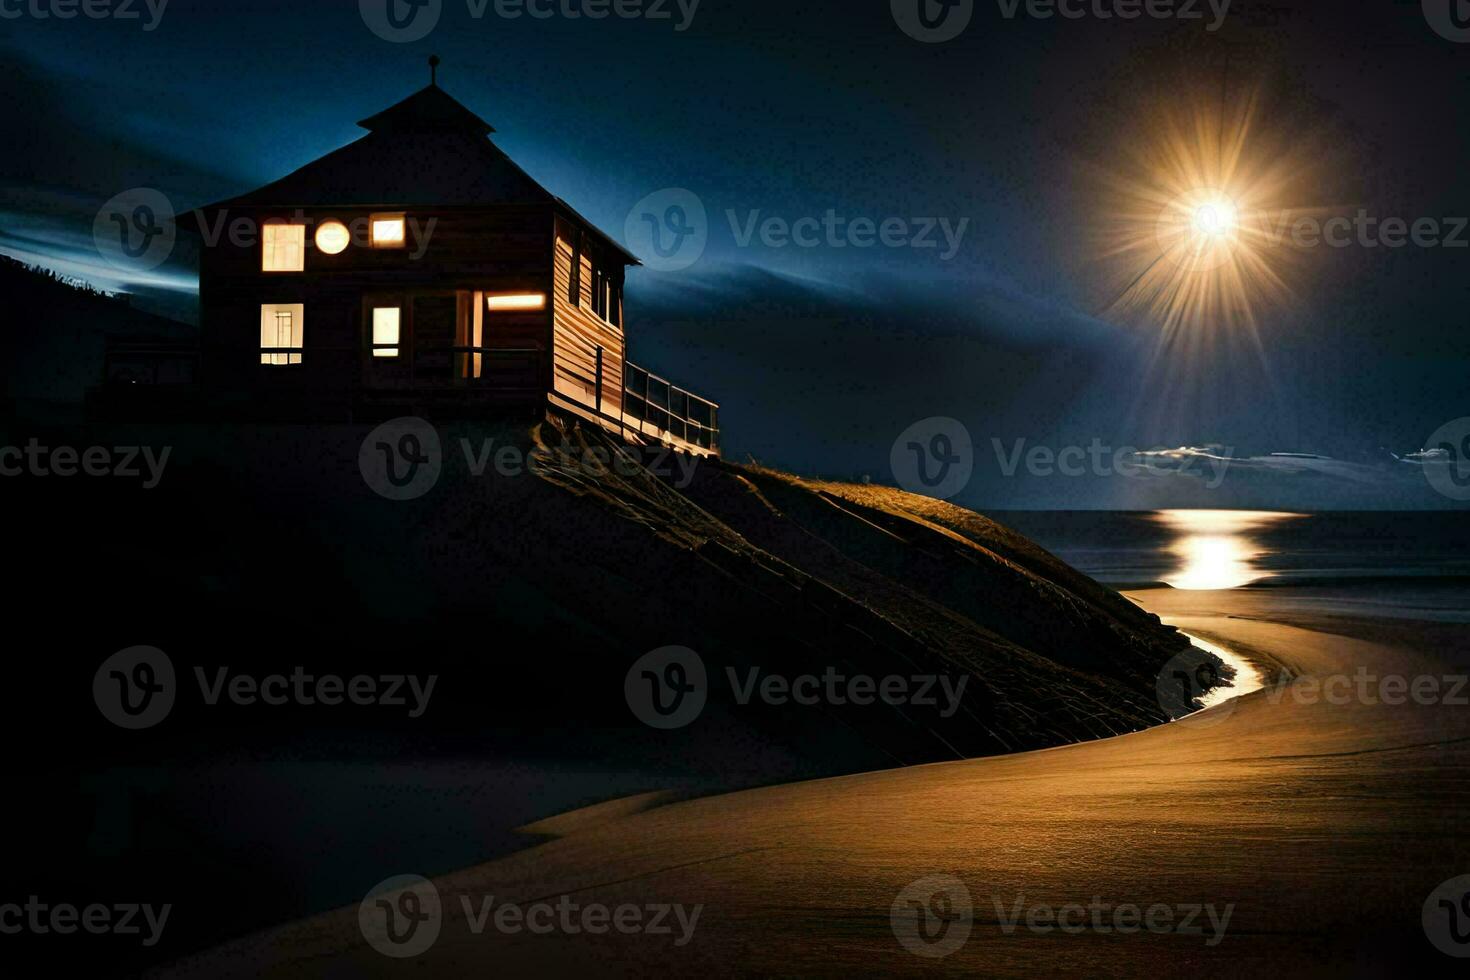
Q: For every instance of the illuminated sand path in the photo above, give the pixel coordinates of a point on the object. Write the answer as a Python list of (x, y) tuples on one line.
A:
[(1325, 827)]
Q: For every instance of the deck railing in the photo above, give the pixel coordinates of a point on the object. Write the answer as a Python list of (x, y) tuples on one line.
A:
[(649, 400)]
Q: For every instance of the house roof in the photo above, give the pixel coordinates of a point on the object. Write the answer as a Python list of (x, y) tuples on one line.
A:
[(426, 151), (427, 110)]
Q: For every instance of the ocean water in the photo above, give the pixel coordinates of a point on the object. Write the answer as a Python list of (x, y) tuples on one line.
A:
[(1380, 564), (1238, 548)]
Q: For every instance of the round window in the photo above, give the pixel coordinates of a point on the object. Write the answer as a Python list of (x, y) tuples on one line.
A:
[(332, 237)]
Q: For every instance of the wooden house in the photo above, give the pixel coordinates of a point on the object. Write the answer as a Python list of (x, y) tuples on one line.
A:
[(418, 270)]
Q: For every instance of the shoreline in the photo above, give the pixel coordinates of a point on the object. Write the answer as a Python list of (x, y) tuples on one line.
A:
[(800, 877), (1246, 676)]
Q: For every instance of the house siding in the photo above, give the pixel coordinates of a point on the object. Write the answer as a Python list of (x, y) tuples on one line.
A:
[(578, 331)]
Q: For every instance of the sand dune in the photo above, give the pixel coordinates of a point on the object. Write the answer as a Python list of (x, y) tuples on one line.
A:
[(1321, 827)]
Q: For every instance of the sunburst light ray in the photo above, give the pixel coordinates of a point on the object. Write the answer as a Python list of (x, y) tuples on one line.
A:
[(1194, 222)]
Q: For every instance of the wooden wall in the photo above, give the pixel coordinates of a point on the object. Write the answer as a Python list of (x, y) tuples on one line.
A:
[(500, 249), (577, 331)]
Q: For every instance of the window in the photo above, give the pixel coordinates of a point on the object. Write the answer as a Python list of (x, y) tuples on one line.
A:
[(599, 292), (283, 247), (574, 291), (388, 230), (386, 323), (332, 237), (511, 302), (615, 305), (280, 333)]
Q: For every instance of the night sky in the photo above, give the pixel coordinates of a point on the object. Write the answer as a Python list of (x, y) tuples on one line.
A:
[(821, 356)]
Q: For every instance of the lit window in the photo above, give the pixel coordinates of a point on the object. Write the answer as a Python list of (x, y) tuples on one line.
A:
[(387, 230), (386, 321), (280, 333), (332, 237), (284, 248), (508, 302)]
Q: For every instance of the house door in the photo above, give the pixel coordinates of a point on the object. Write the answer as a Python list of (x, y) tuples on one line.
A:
[(434, 320)]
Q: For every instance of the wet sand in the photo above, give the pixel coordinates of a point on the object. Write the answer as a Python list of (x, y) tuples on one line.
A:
[(1323, 826)]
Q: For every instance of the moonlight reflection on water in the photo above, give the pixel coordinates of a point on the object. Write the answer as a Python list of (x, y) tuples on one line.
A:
[(1218, 549)]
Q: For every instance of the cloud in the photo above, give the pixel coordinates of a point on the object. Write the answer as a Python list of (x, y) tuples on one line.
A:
[(1210, 460), (1428, 457)]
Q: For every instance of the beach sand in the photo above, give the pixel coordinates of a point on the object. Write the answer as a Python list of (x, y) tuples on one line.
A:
[(1324, 826)]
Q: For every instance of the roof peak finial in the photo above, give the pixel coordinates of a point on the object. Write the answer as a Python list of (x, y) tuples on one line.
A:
[(433, 69)]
